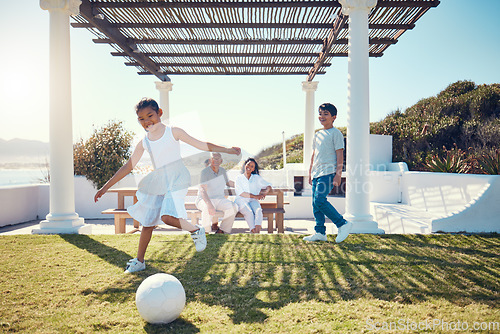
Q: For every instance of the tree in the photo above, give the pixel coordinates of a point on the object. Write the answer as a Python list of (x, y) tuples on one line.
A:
[(106, 151)]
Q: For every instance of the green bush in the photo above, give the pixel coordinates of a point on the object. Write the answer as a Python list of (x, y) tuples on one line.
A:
[(489, 163), (100, 157), (272, 157), (485, 102), (452, 161), (463, 115), (457, 88)]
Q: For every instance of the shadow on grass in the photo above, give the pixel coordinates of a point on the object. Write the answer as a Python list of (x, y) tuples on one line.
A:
[(107, 253), (123, 289), (178, 326), (252, 274)]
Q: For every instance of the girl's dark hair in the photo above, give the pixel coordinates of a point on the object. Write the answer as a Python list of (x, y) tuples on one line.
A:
[(145, 103), (255, 171)]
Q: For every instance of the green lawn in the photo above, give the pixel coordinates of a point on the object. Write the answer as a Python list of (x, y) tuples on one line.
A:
[(254, 283)]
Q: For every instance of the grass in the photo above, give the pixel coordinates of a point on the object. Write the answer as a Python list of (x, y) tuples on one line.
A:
[(248, 283)]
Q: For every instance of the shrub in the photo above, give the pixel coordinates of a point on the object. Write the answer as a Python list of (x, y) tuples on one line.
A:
[(457, 88), (100, 157), (485, 102), (463, 115), (489, 163), (453, 161)]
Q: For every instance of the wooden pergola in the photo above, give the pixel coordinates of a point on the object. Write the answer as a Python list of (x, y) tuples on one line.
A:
[(227, 37)]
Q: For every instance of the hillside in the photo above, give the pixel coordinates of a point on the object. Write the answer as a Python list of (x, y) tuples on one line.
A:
[(16, 152), (272, 157), (463, 118)]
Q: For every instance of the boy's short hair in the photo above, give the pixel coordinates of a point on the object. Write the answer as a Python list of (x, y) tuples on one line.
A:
[(328, 107), (145, 103)]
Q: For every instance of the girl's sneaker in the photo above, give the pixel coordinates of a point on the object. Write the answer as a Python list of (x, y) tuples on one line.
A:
[(135, 265), (199, 238)]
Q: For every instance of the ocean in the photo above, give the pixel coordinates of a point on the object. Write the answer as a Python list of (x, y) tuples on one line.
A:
[(20, 176)]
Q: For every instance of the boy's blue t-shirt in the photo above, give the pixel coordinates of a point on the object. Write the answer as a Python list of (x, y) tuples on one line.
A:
[(325, 144)]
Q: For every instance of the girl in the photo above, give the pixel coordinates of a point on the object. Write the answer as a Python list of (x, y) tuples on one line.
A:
[(161, 193), (250, 187)]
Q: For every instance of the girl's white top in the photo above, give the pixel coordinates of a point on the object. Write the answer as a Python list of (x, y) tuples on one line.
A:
[(166, 150), (253, 185), (162, 191)]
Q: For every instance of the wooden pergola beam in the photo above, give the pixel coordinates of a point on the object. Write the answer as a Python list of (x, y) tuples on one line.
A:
[(211, 65), (338, 25), (214, 25), (214, 41), (234, 73), (239, 54), (239, 42), (260, 4), (222, 54), (116, 37)]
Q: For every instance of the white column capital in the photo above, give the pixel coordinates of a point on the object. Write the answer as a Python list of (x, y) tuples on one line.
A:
[(349, 5), (309, 86), (164, 85), (72, 7)]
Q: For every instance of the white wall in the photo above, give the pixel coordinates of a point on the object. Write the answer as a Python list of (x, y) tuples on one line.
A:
[(482, 214), (380, 152), (442, 193), (385, 187), (23, 203)]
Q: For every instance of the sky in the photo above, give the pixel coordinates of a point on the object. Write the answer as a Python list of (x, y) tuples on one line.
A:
[(458, 40)]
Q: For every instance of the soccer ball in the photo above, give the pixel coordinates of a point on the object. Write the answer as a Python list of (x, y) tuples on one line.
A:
[(160, 298)]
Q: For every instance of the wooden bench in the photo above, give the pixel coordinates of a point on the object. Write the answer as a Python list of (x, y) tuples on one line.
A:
[(269, 210), (120, 219), (273, 211), (121, 215)]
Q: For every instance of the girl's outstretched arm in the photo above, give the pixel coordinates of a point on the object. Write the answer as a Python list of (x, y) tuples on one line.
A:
[(180, 134), (123, 171)]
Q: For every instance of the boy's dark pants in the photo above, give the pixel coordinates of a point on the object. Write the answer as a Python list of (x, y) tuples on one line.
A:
[(321, 187)]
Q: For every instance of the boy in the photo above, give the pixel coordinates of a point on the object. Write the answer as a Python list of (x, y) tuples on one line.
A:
[(325, 172)]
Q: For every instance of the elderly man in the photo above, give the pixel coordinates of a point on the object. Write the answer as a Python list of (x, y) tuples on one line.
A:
[(211, 197)]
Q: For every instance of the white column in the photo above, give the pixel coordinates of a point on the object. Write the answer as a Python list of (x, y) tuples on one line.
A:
[(164, 87), (358, 119), (309, 87), (62, 217)]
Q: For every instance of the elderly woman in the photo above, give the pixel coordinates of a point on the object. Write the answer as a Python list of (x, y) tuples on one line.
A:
[(250, 187)]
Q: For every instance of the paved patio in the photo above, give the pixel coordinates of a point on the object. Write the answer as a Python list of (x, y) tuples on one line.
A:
[(106, 226)]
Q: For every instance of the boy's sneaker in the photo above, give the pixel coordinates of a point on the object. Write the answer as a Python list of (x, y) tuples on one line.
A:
[(135, 265), (343, 232), (199, 238), (316, 237)]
